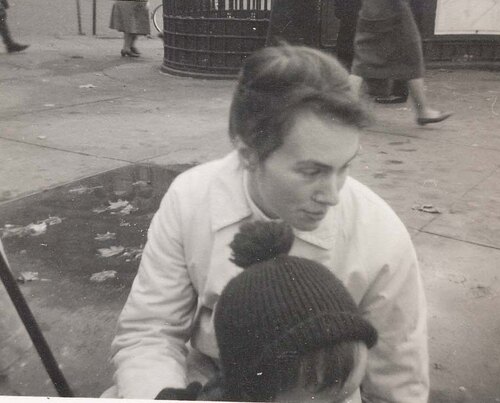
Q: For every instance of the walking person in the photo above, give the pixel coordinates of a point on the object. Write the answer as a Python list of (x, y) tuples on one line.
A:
[(346, 11), (132, 18), (11, 45), (388, 45), (310, 345), (295, 124), (296, 22)]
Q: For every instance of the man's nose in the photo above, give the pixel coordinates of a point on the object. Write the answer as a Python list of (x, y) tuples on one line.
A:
[(328, 192)]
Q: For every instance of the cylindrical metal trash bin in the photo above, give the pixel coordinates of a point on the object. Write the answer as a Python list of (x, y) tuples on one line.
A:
[(211, 38)]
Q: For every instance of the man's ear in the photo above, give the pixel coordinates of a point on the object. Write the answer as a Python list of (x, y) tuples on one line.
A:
[(248, 156)]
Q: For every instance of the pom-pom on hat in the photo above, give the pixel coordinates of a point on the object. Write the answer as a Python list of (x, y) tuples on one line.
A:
[(280, 306)]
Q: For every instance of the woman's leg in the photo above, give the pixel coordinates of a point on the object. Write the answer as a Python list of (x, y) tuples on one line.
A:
[(127, 41), (425, 114), (132, 45), (417, 93), (128, 44), (356, 84)]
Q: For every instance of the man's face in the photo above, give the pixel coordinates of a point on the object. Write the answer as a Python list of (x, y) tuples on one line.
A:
[(302, 179)]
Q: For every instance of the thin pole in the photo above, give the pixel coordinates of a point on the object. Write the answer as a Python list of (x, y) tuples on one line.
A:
[(79, 17), (34, 331), (94, 16)]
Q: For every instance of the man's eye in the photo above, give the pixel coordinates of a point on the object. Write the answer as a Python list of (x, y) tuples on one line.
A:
[(310, 172)]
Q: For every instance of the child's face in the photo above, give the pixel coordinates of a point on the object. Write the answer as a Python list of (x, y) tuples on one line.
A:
[(333, 395)]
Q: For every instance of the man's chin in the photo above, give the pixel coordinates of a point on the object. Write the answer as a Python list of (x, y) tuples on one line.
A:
[(307, 226)]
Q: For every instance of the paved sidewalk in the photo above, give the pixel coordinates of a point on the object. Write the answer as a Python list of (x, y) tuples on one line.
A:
[(71, 107)]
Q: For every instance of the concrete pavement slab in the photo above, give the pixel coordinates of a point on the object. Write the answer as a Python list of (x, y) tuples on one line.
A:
[(463, 293), (472, 95), (28, 168), (38, 94), (475, 217), (410, 171), (125, 129)]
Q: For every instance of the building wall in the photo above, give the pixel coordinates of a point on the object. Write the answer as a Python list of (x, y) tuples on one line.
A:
[(470, 17)]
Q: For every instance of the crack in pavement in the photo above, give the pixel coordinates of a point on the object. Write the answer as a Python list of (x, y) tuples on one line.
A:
[(35, 111), (460, 240), (67, 151)]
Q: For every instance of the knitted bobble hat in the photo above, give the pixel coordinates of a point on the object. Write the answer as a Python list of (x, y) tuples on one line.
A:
[(280, 305)]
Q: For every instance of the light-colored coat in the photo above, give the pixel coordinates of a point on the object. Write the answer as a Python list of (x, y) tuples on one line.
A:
[(185, 266)]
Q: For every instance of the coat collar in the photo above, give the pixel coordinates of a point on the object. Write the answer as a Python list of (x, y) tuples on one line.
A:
[(228, 204)]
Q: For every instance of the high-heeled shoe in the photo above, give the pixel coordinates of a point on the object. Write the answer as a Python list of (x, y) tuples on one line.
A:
[(439, 118), (128, 53)]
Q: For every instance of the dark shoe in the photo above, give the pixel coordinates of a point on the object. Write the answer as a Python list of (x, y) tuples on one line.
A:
[(128, 53), (16, 47), (440, 118), (133, 49), (392, 99)]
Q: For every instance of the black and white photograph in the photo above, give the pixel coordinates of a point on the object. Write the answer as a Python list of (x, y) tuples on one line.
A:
[(250, 200)]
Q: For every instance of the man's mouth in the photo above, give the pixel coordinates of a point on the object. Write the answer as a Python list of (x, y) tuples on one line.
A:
[(315, 215)]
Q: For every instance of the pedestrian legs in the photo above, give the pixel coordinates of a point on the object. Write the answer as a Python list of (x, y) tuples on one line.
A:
[(10, 44), (425, 114), (128, 45)]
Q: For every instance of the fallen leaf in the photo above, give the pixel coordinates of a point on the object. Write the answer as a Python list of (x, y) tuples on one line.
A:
[(103, 276), (100, 210), (126, 210), (427, 208), (37, 229), (111, 251), (105, 237), (28, 276), (118, 204), (53, 220), (133, 253), (33, 229)]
